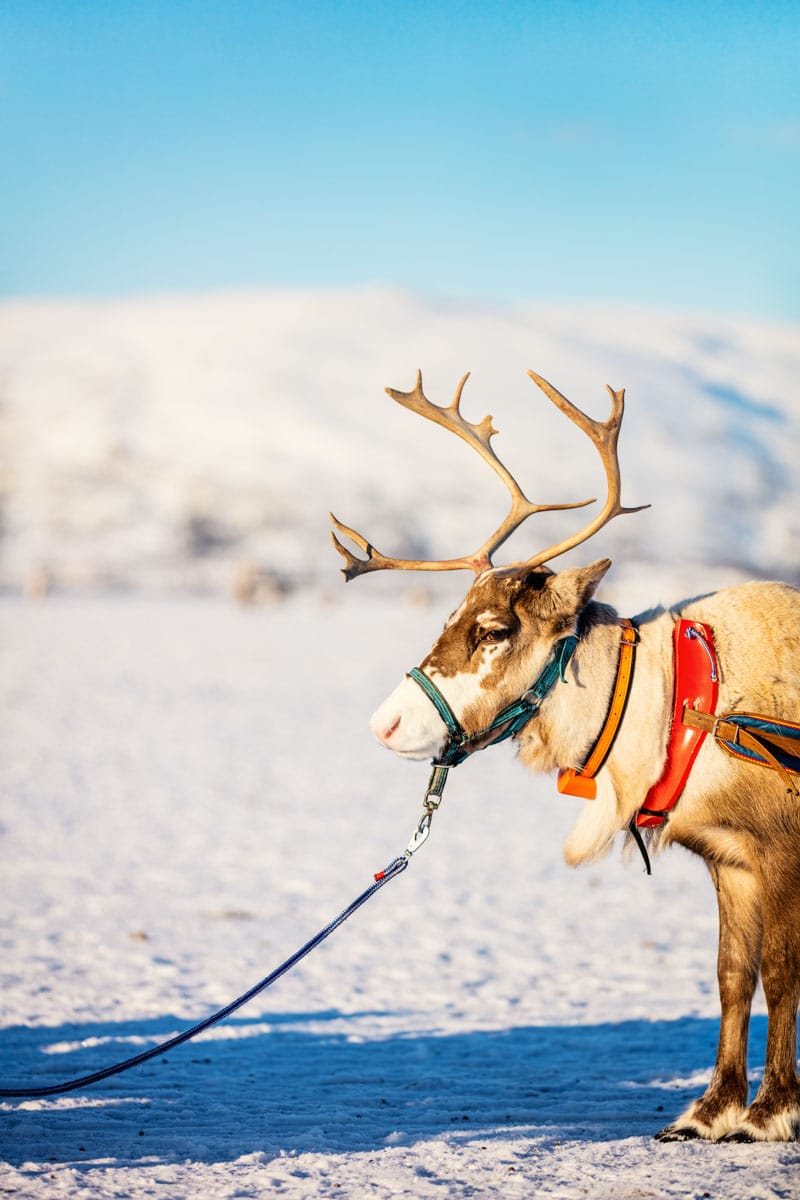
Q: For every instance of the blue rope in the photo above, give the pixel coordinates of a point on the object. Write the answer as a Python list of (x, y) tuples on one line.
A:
[(396, 867)]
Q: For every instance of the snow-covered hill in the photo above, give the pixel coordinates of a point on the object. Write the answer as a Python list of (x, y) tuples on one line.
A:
[(184, 442)]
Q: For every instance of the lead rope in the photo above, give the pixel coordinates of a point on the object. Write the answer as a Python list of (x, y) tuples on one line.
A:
[(433, 798)]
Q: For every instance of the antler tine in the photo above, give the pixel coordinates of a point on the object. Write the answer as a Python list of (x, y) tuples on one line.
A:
[(479, 438), (375, 561), (604, 435)]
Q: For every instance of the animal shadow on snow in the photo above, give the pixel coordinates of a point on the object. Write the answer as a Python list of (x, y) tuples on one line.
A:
[(288, 1090)]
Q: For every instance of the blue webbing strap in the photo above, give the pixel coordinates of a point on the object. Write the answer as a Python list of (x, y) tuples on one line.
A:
[(778, 734), (396, 867)]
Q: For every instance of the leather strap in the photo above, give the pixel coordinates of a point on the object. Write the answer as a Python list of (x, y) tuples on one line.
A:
[(727, 731), (582, 782)]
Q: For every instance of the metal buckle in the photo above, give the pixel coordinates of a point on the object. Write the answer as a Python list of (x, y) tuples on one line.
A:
[(435, 788)]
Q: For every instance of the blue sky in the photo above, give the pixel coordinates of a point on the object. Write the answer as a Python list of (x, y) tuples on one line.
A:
[(631, 153)]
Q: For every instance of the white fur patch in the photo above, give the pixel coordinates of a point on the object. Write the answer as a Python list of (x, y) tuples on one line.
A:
[(598, 824), (725, 1122), (457, 613), (462, 690), (487, 618), (408, 721), (782, 1127)]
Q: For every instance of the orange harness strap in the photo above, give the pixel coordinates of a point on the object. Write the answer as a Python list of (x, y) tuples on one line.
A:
[(582, 782)]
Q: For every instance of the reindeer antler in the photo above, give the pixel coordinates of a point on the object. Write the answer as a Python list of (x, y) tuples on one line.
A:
[(604, 436)]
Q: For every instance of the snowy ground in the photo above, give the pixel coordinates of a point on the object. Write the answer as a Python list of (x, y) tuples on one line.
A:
[(189, 791)]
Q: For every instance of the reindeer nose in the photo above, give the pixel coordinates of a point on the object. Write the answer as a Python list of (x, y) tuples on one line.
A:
[(385, 728), (390, 730)]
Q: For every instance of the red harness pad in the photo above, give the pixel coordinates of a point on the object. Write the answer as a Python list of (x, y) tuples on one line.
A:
[(696, 685)]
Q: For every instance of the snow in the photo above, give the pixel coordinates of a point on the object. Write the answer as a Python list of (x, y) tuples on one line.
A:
[(181, 442), (190, 791)]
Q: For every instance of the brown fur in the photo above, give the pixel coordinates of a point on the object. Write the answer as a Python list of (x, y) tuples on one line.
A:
[(736, 816)]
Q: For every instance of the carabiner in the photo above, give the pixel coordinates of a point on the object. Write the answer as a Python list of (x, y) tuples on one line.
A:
[(432, 800), (420, 835)]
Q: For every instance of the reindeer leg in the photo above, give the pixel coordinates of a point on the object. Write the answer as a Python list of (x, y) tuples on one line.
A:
[(774, 1115), (720, 1109)]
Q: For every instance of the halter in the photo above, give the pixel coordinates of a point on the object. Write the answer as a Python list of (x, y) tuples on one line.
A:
[(509, 721)]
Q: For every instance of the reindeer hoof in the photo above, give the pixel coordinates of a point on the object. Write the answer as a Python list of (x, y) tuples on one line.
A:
[(738, 1135), (678, 1133)]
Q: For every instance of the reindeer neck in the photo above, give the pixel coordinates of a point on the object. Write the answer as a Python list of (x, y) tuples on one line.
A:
[(570, 721)]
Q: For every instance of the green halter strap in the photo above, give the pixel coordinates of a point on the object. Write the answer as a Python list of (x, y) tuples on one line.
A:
[(509, 721)]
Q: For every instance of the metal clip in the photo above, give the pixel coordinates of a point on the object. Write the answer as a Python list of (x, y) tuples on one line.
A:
[(420, 835), (433, 798)]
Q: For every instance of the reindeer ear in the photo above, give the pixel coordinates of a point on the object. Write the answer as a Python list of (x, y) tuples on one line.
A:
[(573, 588)]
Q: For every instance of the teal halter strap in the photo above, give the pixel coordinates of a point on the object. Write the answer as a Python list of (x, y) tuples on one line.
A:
[(509, 721), (438, 701)]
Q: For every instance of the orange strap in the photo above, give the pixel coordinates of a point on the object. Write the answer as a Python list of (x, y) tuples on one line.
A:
[(582, 783)]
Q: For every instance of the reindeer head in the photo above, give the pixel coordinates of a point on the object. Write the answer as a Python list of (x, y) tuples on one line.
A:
[(491, 650), (496, 644)]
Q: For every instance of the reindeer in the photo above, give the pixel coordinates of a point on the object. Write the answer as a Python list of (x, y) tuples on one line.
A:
[(524, 622)]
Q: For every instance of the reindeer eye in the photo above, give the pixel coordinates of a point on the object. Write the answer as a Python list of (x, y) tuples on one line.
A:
[(494, 635)]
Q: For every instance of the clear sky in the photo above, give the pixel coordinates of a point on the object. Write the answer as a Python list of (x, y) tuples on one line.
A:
[(636, 153)]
